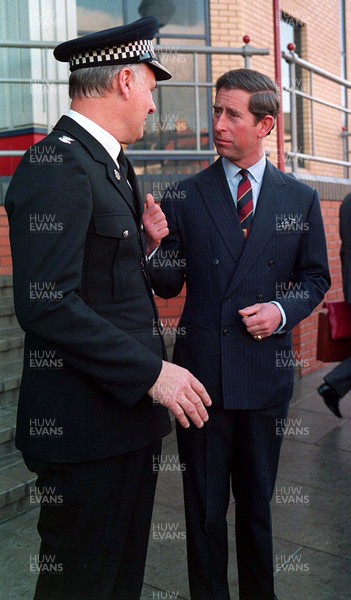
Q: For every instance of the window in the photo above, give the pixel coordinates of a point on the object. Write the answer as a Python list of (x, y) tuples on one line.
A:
[(174, 125), (291, 31)]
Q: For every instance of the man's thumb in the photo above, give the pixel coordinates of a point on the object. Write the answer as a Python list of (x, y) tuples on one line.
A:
[(150, 200)]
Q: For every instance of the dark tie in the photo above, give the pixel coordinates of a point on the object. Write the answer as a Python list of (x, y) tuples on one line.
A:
[(123, 166), (244, 203)]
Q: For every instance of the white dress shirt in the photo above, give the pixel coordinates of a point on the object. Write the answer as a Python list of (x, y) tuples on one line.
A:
[(101, 135)]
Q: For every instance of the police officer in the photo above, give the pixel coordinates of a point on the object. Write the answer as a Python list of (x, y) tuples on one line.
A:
[(92, 413)]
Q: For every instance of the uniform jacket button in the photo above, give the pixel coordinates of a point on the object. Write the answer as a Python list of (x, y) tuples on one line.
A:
[(125, 234), (215, 261), (225, 331), (260, 297), (271, 263)]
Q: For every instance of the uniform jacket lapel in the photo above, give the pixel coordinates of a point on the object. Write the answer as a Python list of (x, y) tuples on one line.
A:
[(99, 154)]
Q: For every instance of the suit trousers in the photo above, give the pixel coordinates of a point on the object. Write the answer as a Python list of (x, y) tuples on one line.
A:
[(94, 525), (340, 377), (237, 448)]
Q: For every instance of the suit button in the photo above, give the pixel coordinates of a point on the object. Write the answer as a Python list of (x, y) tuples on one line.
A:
[(225, 331), (260, 297), (215, 261), (271, 263), (125, 234)]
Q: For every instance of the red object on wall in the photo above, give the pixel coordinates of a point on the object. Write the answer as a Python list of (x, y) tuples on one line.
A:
[(9, 164)]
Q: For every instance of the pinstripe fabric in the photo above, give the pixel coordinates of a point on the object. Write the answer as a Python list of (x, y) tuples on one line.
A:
[(225, 273)]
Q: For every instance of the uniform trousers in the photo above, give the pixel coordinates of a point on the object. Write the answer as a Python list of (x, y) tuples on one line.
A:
[(94, 525)]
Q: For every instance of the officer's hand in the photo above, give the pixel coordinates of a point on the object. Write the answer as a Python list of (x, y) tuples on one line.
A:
[(183, 394), (155, 224), (261, 319)]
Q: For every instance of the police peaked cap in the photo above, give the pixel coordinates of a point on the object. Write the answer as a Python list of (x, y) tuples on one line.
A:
[(127, 44)]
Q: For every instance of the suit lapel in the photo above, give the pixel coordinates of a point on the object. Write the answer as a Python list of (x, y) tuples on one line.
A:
[(218, 199), (99, 154), (263, 225)]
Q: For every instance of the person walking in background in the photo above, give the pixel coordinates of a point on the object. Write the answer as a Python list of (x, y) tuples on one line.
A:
[(338, 382), (90, 420), (236, 240)]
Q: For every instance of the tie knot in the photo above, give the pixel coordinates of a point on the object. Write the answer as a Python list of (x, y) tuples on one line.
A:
[(244, 173)]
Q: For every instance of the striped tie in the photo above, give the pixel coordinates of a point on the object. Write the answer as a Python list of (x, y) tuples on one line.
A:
[(244, 203)]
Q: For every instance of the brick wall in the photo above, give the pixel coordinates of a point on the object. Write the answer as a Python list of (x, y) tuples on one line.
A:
[(5, 253), (305, 334), (321, 34)]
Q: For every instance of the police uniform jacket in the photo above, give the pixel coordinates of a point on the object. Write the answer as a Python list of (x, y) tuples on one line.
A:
[(82, 296)]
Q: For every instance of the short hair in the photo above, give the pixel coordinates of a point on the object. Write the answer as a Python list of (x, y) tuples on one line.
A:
[(94, 82), (264, 92)]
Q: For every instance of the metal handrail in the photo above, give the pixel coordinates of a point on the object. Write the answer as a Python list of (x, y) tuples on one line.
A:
[(293, 59), (247, 51)]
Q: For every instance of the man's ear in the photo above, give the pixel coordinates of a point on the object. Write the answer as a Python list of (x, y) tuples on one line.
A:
[(123, 82), (266, 126)]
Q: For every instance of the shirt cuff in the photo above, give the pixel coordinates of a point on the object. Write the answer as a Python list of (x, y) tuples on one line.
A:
[(282, 312), (148, 258)]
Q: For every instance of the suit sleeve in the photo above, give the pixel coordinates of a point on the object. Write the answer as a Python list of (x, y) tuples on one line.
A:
[(311, 276), (87, 342), (167, 266)]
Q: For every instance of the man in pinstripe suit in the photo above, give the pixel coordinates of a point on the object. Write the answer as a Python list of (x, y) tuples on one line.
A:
[(250, 279)]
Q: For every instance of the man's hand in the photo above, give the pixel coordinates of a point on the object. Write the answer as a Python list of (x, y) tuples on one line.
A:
[(155, 224), (183, 394), (261, 319)]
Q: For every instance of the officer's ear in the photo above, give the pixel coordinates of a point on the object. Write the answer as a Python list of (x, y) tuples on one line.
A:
[(124, 81)]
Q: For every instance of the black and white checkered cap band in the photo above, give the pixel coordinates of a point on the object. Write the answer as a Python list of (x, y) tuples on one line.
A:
[(118, 54)]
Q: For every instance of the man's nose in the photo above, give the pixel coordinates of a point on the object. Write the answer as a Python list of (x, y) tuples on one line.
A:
[(219, 123), (152, 109)]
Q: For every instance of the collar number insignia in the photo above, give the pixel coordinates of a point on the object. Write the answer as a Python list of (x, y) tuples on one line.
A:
[(117, 174)]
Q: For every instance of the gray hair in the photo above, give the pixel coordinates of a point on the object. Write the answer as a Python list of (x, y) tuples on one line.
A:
[(94, 82), (264, 92)]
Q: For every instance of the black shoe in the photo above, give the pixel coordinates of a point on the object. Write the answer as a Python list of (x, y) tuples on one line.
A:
[(331, 398)]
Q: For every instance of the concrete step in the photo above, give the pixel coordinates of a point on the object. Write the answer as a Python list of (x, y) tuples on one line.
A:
[(16, 482), (10, 379), (6, 286), (7, 313), (7, 430), (11, 344)]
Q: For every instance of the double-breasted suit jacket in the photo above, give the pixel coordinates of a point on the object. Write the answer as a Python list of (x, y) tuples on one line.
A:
[(82, 295), (283, 259)]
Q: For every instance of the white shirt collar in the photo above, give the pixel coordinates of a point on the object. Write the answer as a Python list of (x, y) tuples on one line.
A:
[(101, 135), (256, 171)]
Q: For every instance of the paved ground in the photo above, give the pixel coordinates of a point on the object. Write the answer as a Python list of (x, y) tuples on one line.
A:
[(311, 515)]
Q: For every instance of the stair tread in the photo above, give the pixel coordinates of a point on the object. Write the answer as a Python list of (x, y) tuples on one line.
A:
[(9, 460), (10, 375), (8, 417), (6, 281), (11, 331), (11, 342), (6, 306), (15, 482)]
